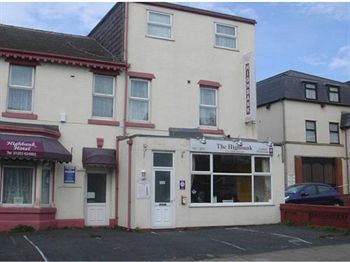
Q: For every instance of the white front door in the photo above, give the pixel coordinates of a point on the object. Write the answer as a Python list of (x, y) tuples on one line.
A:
[(162, 198), (96, 200)]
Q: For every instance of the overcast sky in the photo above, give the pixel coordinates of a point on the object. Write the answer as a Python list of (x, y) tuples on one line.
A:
[(309, 37)]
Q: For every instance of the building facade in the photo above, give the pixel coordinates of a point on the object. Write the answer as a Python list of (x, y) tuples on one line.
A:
[(146, 122), (308, 115)]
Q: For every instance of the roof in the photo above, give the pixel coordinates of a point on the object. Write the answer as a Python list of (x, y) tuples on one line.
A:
[(39, 41), (290, 85), (202, 12)]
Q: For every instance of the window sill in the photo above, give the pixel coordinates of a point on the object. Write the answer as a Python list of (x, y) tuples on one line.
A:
[(30, 116), (141, 125), (103, 122), (213, 131), (226, 48), (237, 204), (161, 38)]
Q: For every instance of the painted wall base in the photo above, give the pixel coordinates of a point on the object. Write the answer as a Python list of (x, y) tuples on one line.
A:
[(38, 218)]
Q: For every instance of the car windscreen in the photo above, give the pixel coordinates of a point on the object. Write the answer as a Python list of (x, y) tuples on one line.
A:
[(293, 189)]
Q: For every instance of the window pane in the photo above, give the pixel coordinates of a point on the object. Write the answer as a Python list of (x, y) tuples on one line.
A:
[(229, 189), (21, 75), (97, 188), (162, 186), (159, 18), (207, 116), (333, 127), (225, 41), (104, 84), (334, 97), (323, 189), (310, 125), (262, 164), (310, 94), (200, 189), (45, 186), (163, 159), (19, 99), (262, 188), (159, 30), (139, 89), (334, 137), (310, 136), (228, 30), (232, 164), (17, 187), (208, 97), (138, 110), (311, 190), (102, 106), (201, 162)]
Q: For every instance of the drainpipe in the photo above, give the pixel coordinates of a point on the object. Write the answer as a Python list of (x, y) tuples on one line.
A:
[(284, 144), (347, 159), (129, 142), (116, 179), (126, 31)]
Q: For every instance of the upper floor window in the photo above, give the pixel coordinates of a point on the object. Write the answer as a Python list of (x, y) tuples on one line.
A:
[(207, 106), (310, 127), (333, 94), (334, 133), (21, 83), (139, 100), (310, 91), (103, 96), (159, 24), (225, 36)]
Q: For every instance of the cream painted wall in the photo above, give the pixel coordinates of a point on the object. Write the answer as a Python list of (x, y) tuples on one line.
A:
[(270, 122), (186, 216), (191, 55), (55, 91)]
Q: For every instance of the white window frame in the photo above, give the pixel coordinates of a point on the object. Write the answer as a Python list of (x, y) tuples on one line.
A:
[(103, 95), (2, 186), (226, 35), (208, 106), (330, 132), (307, 87), (148, 99), (160, 24), (211, 173), (21, 88), (51, 168)]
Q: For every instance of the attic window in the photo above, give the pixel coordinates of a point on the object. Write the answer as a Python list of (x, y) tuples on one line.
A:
[(333, 94), (310, 91)]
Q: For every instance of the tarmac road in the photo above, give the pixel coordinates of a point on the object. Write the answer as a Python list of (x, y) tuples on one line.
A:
[(267, 242)]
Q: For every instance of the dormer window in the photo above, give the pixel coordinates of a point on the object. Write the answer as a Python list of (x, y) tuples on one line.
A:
[(333, 94), (310, 91)]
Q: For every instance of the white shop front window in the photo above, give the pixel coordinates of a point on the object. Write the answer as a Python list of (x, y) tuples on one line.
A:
[(230, 179)]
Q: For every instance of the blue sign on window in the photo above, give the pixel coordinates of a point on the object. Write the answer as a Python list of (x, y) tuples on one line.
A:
[(69, 175)]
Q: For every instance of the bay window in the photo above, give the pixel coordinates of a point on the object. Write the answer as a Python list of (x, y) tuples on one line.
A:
[(21, 83), (207, 106), (17, 185), (103, 96), (224, 179), (139, 100)]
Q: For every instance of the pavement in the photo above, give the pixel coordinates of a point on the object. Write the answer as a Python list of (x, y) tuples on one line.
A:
[(265, 242)]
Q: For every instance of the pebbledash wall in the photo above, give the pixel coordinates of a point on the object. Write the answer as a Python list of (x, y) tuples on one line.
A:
[(160, 177)]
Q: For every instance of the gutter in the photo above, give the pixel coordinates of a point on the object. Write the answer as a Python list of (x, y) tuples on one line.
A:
[(116, 180), (347, 159), (126, 33), (129, 142)]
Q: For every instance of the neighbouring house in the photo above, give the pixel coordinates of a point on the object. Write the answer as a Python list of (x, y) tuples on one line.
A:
[(310, 116), (148, 122)]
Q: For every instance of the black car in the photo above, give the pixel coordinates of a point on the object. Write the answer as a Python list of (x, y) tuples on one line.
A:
[(312, 193)]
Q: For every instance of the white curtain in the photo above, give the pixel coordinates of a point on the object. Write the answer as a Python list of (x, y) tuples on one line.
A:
[(21, 75), (208, 97), (159, 18), (104, 85), (20, 99), (138, 110), (225, 41), (17, 185), (139, 89), (207, 116), (159, 30), (102, 106)]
